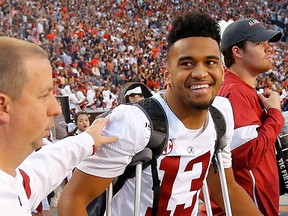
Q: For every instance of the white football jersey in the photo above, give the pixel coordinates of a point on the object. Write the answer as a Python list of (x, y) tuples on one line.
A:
[(182, 167)]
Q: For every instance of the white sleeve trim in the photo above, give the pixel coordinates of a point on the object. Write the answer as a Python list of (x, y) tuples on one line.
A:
[(243, 135)]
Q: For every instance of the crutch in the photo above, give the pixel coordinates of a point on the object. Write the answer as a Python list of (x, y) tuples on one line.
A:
[(223, 182), (207, 198), (144, 156), (224, 187), (137, 198), (109, 195), (220, 144)]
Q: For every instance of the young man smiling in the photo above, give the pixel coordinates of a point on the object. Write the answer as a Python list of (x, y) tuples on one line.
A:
[(194, 75)]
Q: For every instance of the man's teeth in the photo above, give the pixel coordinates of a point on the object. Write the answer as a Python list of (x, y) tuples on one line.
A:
[(199, 86)]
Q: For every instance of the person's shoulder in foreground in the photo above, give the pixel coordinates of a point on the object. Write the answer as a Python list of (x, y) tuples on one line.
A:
[(27, 110)]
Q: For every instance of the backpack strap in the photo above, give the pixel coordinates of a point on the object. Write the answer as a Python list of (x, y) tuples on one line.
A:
[(158, 140), (159, 124), (220, 127), (155, 187)]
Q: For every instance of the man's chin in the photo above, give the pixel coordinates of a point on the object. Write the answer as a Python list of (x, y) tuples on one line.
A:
[(202, 105)]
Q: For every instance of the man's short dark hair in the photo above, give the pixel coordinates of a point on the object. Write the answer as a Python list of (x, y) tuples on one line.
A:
[(194, 25)]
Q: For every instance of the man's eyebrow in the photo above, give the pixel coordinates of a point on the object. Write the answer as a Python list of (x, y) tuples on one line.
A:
[(183, 58), (213, 57)]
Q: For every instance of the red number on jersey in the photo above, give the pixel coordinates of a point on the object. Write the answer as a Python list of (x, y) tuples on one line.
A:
[(170, 166)]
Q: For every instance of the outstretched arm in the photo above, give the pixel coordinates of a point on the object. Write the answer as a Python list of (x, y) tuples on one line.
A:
[(79, 192), (47, 167)]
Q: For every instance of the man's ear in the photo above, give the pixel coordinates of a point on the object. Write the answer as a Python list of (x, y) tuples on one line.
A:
[(237, 52), (167, 76), (130, 99), (4, 116), (223, 67)]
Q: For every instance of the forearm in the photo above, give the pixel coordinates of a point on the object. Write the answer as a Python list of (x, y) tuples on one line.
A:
[(79, 192), (73, 207), (241, 203)]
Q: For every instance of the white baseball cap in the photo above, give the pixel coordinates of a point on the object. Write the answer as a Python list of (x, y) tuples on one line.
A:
[(136, 90)]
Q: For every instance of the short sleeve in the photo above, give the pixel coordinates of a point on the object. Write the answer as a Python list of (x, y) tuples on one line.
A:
[(131, 125), (225, 107)]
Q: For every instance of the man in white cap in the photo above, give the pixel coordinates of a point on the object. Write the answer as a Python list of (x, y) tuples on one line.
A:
[(134, 95), (133, 92)]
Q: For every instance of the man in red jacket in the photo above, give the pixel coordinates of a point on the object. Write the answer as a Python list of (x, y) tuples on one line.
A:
[(258, 120)]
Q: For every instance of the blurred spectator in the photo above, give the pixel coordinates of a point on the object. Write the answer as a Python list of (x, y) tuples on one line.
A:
[(110, 43)]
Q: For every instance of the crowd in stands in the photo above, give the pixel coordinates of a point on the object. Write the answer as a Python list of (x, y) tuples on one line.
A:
[(96, 46)]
